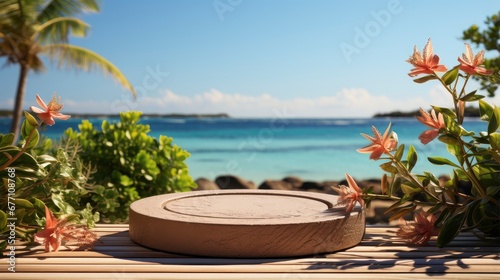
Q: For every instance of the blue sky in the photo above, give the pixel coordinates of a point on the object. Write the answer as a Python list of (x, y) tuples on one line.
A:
[(259, 58)]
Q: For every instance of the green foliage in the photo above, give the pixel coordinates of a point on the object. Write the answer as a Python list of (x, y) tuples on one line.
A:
[(34, 174), (470, 199), (129, 164), (489, 39)]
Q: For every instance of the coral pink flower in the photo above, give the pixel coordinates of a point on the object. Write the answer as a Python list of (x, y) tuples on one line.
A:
[(420, 230), (426, 64), (433, 121), (49, 112), (349, 195), (56, 232), (380, 144), (470, 64)]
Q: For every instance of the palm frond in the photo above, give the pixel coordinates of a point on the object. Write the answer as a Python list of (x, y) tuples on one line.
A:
[(63, 8), (10, 14), (29, 9), (8, 8), (36, 64), (70, 56), (57, 30), (8, 47)]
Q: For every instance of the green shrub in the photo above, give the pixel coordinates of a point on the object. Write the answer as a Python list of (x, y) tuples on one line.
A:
[(129, 164), (34, 174)]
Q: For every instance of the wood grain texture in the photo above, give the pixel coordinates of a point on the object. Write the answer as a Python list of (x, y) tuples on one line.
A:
[(380, 255)]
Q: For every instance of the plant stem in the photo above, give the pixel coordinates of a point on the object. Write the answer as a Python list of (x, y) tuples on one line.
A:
[(460, 118), (382, 196), (410, 177), (23, 149)]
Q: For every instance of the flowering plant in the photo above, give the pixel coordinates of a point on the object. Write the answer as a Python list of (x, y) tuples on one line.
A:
[(36, 180), (469, 200)]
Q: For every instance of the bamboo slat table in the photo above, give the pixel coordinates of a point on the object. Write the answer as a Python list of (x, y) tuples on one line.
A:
[(380, 255)]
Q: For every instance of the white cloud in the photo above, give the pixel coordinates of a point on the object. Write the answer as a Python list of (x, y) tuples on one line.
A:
[(348, 102), (353, 102)]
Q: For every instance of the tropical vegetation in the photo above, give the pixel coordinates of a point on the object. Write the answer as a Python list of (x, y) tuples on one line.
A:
[(488, 39), (90, 175), (31, 29), (467, 201)]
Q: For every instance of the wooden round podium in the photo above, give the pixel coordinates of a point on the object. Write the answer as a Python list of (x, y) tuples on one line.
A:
[(245, 223)]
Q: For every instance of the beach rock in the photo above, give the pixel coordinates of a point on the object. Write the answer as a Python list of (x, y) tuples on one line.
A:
[(205, 184), (312, 186), (327, 187), (294, 181), (275, 185), (233, 182)]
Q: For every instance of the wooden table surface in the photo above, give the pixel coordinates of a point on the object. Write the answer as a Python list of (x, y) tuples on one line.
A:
[(381, 255)]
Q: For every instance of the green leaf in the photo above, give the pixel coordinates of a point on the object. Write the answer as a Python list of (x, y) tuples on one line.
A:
[(393, 206), (3, 220), (450, 229), (435, 208), (23, 203), (387, 167), (492, 191), (125, 181), (468, 95), (447, 139), (62, 205), (25, 160), (453, 126), (6, 140), (425, 79), (395, 186), (39, 205), (495, 140), (28, 129), (443, 216), (399, 153), (412, 157), (445, 111), (485, 110), (472, 96), (450, 76), (441, 161), (408, 190), (3, 246), (473, 214), (494, 122), (456, 151), (401, 211), (32, 121)]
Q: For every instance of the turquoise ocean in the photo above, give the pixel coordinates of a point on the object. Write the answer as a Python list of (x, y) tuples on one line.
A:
[(259, 149)]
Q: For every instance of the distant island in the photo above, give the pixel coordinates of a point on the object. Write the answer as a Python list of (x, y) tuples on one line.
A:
[(8, 113), (470, 111)]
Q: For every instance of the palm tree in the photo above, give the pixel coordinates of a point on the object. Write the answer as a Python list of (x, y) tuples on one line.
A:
[(32, 28)]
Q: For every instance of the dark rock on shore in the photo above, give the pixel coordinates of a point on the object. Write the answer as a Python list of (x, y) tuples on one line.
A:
[(296, 182), (275, 185), (205, 184), (233, 182), (312, 186)]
